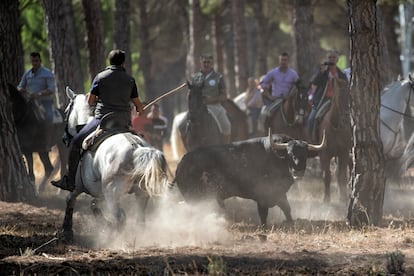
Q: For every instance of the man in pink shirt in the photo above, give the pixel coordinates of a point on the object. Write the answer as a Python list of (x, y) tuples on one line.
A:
[(280, 79)]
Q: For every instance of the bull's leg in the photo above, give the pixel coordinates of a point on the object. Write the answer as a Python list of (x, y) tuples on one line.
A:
[(263, 212), (284, 205), (67, 231)]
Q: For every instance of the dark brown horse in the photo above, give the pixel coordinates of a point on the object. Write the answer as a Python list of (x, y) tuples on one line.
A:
[(194, 128), (36, 136), (289, 118), (337, 127)]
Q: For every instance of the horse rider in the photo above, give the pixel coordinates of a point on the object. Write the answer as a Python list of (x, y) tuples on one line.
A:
[(280, 80), (39, 83), (213, 90), (112, 90), (321, 87)]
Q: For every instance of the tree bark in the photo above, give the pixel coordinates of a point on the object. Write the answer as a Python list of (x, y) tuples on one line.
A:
[(122, 30), (145, 59), (194, 37), (60, 29), (13, 57), (240, 46), (261, 37), (95, 40), (388, 14), (228, 53), (15, 184), (303, 39), (367, 178)]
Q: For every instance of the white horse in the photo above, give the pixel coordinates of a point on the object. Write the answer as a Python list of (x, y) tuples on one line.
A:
[(396, 102), (123, 163)]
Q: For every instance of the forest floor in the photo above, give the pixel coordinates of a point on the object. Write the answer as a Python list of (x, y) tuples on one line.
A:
[(198, 240)]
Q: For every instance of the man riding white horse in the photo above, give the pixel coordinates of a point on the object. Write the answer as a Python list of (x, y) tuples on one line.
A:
[(112, 90)]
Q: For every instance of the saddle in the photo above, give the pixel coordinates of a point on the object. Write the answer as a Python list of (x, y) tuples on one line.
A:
[(111, 124)]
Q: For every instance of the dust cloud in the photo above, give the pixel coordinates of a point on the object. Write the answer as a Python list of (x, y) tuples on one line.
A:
[(169, 223)]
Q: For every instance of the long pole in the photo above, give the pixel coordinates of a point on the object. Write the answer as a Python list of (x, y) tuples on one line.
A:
[(173, 91)]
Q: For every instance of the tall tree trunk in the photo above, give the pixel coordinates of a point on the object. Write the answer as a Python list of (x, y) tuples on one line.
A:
[(389, 23), (13, 57), (240, 46), (218, 40), (145, 59), (95, 40), (15, 184), (194, 36), (228, 56), (303, 40), (261, 38), (122, 30), (60, 28), (367, 178)]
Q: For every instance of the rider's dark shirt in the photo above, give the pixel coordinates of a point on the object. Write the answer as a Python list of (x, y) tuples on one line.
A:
[(114, 89)]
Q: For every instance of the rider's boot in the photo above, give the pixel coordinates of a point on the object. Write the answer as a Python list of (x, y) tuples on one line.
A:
[(68, 181)]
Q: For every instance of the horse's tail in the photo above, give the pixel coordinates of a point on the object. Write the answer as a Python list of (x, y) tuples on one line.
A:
[(150, 167), (176, 140)]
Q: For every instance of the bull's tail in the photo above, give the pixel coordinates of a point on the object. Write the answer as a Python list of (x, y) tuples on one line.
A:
[(150, 170), (176, 140)]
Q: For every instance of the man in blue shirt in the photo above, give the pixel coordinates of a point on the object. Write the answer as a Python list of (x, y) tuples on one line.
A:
[(39, 83)]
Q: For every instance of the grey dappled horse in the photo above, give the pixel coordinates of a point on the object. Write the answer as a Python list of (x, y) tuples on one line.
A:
[(123, 163)]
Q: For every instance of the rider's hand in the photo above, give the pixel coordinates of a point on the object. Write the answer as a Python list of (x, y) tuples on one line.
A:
[(140, 110)]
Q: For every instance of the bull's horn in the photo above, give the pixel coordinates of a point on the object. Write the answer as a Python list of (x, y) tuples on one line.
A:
[(276, 146), (320, 146)]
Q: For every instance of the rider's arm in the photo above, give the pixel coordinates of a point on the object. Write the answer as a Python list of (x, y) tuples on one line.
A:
[(92, 99), (139, 107)]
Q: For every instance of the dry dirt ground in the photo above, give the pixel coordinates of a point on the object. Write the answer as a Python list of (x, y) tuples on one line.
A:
[(197, 241)]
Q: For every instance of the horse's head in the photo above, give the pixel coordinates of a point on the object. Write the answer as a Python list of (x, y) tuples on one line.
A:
[(19, 103), (26, 110), (77, 111)]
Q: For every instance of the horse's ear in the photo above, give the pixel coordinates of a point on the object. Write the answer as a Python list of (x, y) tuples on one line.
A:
[(69, 92)]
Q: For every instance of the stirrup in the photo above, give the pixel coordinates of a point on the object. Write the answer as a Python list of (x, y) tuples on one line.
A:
[(64, 184)]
